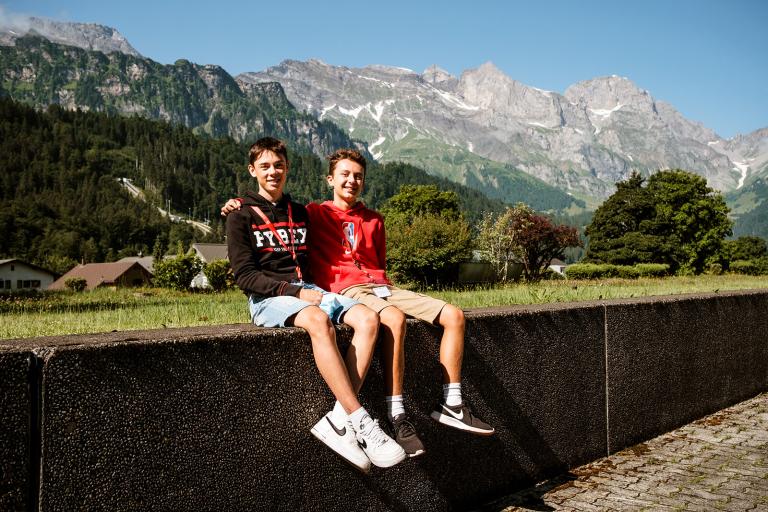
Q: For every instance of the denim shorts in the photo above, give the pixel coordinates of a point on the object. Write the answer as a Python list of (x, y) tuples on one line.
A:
[(274, 311)]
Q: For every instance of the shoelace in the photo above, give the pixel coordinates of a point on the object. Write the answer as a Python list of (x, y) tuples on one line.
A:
[(405, 429), (371, 431)]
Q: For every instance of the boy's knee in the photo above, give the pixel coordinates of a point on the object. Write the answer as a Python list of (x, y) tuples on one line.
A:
[(371, 319), (451, 316), (393, 318), (361, 317), (313, 319), (366, 319)]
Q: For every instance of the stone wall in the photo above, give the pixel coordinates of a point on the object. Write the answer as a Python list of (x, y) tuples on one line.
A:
[(218, 418)]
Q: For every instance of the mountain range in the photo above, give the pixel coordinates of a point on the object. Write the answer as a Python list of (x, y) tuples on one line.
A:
[(482, 128), (582, 141)]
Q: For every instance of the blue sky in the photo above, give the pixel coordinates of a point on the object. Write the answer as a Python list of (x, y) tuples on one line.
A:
[(708, 58)]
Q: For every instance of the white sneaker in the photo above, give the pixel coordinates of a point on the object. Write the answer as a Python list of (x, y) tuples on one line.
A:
[(342, 441), (382, 450)]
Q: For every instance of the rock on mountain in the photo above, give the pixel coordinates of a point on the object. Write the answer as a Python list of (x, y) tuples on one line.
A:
[(582, 141), (89, 36), (205, 98)]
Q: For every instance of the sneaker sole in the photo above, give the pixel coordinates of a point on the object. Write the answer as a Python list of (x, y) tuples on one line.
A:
[(458, 425), (320, 437), (415, 454)]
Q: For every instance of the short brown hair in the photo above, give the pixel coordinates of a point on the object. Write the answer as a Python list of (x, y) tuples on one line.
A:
[(345, 154), (267, 144)]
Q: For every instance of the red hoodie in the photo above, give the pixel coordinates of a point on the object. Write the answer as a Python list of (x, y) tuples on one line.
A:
[(346, 247)]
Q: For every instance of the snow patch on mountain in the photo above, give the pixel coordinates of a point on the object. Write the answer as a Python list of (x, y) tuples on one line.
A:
[(743, 168), (602, 112), (353, 112), (382, 82), (452, 99), (379, 107), (325, 111), (377, 142)]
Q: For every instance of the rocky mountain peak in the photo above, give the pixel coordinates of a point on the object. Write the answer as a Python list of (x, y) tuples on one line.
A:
[(489, 88), (435, 74), (606, 93), (440, 78), (489, 69), (89, 36)]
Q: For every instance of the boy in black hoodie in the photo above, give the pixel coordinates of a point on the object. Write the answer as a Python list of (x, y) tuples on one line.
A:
[(267, 247)]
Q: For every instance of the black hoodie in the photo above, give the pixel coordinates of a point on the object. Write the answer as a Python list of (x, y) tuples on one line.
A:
[(261, 264)]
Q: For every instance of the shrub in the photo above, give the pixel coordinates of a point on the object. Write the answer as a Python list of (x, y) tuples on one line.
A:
[(586, 271), (652, 269), (714, 269), (177, 273), (76, 284), (754, 267), (605, 270), (219, 275), (426, 249), (551, 275), (627, 272)]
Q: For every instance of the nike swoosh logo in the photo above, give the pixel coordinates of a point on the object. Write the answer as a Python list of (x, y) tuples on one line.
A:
[(363, 444), (341, 432), (459, 416)]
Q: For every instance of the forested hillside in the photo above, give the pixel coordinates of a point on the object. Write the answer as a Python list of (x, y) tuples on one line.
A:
[(750, 206), (202, 97), (61, 201)]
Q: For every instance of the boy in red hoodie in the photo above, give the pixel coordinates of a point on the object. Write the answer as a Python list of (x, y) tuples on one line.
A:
[(348, 256)]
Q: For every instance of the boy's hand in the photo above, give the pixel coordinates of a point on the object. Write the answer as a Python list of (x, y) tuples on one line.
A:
[(230, 206), (311, 296)]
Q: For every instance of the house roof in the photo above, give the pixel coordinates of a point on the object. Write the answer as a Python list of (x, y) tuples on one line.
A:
[(22, 262), (210, 252), (145, 261), (97, 274)]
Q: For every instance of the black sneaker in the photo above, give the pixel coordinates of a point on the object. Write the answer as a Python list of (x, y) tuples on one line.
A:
[(461, 418), (406, 436)]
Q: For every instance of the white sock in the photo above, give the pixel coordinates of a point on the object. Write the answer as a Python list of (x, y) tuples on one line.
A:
[(339, 415), (395, 406), (452, 393), (357, 416)]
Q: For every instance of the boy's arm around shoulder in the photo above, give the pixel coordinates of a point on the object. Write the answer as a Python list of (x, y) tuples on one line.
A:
[(244, 261)]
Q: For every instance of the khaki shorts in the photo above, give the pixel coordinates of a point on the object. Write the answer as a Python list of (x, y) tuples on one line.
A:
[(411, 303)]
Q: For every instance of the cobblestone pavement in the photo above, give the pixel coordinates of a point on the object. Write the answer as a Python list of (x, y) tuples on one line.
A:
[(719, 462)]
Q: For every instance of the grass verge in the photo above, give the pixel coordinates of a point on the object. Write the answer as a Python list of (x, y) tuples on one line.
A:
[(107, 310)]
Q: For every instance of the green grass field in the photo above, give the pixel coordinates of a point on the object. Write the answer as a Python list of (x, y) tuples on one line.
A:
[(126, 309)]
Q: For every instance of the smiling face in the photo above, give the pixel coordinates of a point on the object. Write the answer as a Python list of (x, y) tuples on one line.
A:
[(270, 171), (347, 179)]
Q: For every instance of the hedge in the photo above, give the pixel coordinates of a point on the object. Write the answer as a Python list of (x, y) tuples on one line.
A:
[(756, 267), (605, 270)]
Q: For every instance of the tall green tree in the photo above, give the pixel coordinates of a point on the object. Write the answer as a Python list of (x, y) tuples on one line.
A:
[(691, 215), (620, 229), (675, 219)]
